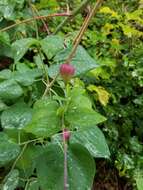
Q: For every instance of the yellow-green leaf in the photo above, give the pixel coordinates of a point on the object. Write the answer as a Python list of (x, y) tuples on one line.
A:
[(107, 10), (103, 95)]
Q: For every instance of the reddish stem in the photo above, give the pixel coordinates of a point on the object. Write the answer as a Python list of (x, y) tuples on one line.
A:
[(65, 167)]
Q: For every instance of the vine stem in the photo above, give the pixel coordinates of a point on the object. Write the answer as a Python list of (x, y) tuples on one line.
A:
[(78, 39), (83, 29), (35, 18), (65, 166)]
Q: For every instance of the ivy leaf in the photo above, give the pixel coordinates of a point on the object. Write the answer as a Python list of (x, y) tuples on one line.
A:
[(51, 45), (17, 116), (8, 149), (94, 140), (45, 121), (81, 168), (10, 90), (11, 180), (82, 61), (20, 47)]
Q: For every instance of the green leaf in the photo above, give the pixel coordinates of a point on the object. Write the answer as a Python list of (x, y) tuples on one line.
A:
[(7, 8), (81, 115), (5, 45), (11, 180), (45, 121), (5, 74), (82, 61), (34, 185), (28, 77), (20, 47), (26, 163), (17, 116), (8, 150), (10, 90), (139, 182), (51, 45), (81, 168), (94, 140), (3, 106), (82, 118), (4, 38)]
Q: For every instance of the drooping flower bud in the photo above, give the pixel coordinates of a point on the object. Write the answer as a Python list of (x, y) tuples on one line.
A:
[(67, 71), (66, 135)]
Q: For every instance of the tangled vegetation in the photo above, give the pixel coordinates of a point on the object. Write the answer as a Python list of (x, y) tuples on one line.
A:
[(71, 94)]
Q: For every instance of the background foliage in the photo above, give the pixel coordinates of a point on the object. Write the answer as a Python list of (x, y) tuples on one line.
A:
[(109, 81)]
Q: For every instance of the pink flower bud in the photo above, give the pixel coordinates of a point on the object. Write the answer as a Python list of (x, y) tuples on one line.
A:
[(67, 71), (66, 135)]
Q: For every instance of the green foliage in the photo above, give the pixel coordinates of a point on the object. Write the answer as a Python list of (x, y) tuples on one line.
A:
[(8, 150), (106, 90), (81, 167)]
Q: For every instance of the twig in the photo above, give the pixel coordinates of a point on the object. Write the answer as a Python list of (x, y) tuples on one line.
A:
[(45, 26), (74, 13), (21, 153), (83, 29), (50, 85), (35, 18)]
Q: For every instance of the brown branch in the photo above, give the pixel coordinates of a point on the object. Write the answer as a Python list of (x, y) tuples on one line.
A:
[(35, 18), (74, 13), (83, 29), (42, 19)]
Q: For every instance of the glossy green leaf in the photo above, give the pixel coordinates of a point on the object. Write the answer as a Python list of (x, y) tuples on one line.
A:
[(51, 45), (11, 180), (82, 118), (27, 77), (81, 168), (10, 90), (45, 121), (8, 149), (20, 47), (94, 140), (17, 116), (81, 115), (82, 61)]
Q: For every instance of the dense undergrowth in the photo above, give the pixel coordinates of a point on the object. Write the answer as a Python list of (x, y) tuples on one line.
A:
[(37, 105)]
